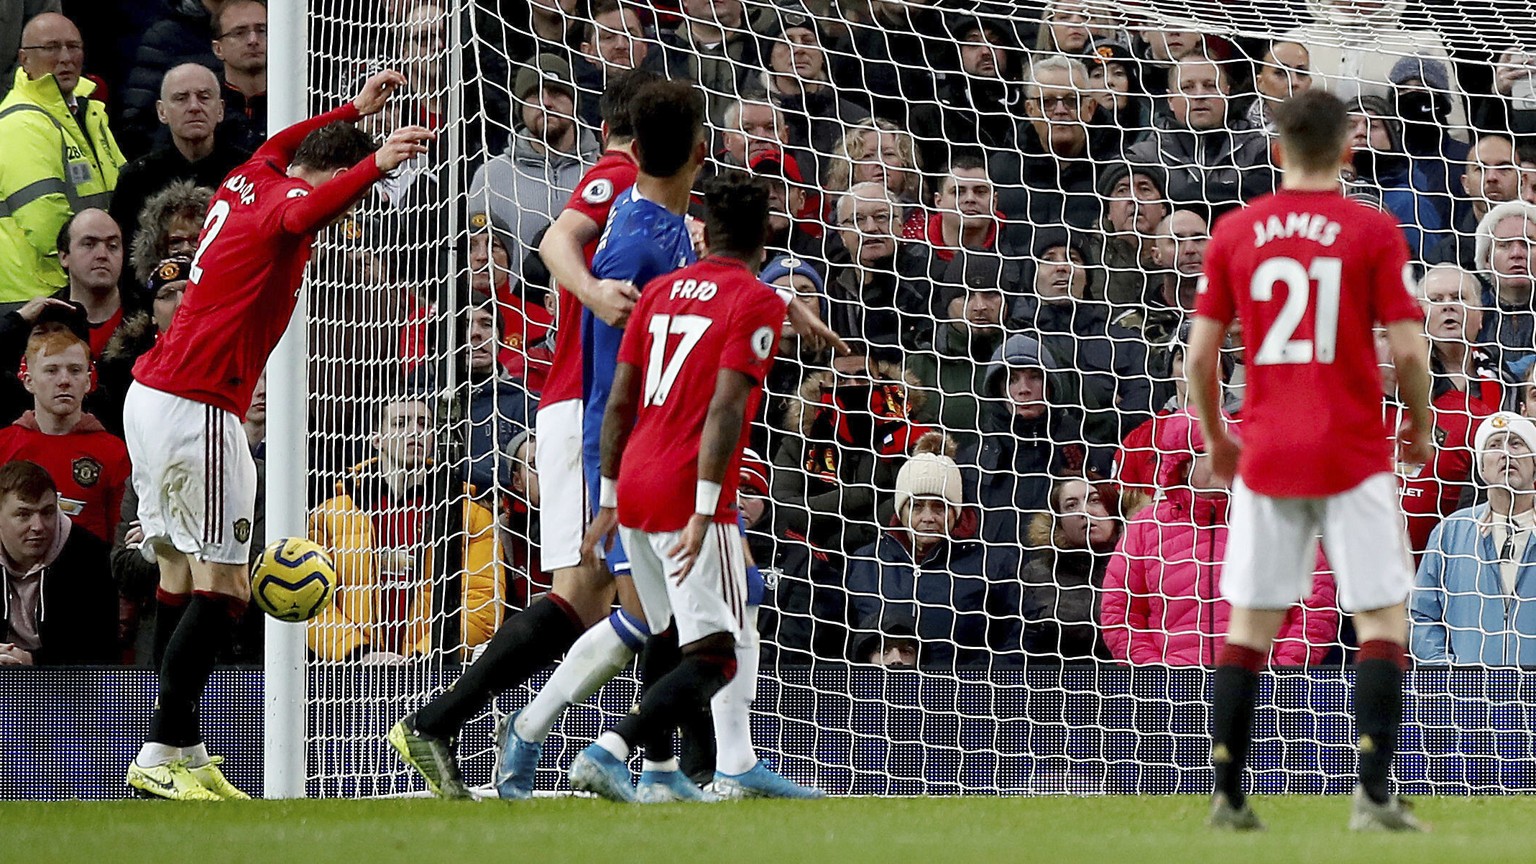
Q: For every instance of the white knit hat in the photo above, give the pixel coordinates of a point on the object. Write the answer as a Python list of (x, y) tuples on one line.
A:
[(928, 475), (1502, 421)]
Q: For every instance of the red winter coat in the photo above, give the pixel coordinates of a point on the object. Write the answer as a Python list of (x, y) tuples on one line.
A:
[(89, 465), (1435, 492), (1162, 599)]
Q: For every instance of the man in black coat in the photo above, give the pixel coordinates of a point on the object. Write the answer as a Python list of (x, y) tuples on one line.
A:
[(183, 34)]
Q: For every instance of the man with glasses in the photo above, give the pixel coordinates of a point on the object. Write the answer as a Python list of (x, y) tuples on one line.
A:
[(240, 43), (1050, 180), (862, 291), (60, 156)]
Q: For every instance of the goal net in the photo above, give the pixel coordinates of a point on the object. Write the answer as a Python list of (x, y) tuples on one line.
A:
[(1004, 208)]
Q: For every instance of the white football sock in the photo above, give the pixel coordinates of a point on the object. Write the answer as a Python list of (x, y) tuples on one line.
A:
[(611, 742), (732, 710), (593, 660), (152, 754), (196, 755), (667, 765)]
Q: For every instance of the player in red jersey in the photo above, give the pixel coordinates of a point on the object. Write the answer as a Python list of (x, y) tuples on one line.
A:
[(690, 374), (193, 469), (1308, 274)]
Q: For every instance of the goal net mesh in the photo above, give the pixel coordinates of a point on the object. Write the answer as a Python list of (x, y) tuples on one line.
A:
[(1004, 207)]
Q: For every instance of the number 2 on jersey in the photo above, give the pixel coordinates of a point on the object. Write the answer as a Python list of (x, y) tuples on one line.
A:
[(661, 371), (1278, 347), (211, 228)]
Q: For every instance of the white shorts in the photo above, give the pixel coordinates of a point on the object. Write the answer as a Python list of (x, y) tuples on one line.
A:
[(1272, 547), (713, 599), (194, 475), (563, 502)]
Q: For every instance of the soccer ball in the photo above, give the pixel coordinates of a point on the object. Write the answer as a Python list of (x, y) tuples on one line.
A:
[(293, 580)]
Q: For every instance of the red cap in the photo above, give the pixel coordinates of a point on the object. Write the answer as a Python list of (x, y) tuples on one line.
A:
[(754, 475), (782, 165)]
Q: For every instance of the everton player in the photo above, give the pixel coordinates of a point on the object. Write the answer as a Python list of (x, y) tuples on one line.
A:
[(192, 465), (689, 375), (1308, 274)]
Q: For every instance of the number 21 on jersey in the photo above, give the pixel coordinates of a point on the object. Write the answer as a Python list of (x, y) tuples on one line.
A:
[(661, 370), (1278, 348)]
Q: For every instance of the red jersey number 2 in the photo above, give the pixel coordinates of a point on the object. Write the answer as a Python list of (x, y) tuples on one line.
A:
[(1278, 348), (211, 228)]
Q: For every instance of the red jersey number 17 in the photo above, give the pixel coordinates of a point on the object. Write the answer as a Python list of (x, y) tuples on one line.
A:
[(661, 371)]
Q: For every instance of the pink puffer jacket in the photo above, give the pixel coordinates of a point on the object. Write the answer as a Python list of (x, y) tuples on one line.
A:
[(1162, 599)]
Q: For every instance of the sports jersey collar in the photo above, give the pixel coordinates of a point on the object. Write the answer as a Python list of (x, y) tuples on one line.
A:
[(725, 261), (622, 155)]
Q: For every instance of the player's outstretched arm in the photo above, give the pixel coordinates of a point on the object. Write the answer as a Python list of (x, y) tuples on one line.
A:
[(1201, 365), (329, 200), (1410, 356), (618, 423), (373, 97), (717, 445), (611, 300)]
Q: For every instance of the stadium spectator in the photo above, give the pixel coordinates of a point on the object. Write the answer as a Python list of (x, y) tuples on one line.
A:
[(182, 32), (522, 311), (1050, 180), (796, 355), (545, 30), (953, 367), (1029, 433), (423, 49), (169, 225), (526, 579), (974, 107), (1474, 600), (1179, 252), (1213, 160), (399, 526), (789, 233), (15, 14), (48, 116), (1527, 154), (135, 336), (861, 283), (526, 186), (59, 606), (929, 565), (887, 53), (797, 79), (88, 464), (1357, 49), (1064, 28), (1505, 237), (1069, 551), (752, 127), (1168, 41), (1421, 101), (496, 406), (1108, 362), (1514, 85), (964, 219), (877, 151), (1468, 384), (613, 41), (240, 41), (191, 108), (1284, 70), (1382, 165), (714, 47), (91, 250), (1491, 177), (1134, 205), (889, 642), (1115, 82), (255, 424), (1162, 599)]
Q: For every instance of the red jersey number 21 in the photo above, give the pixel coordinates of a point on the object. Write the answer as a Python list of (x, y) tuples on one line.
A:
[(1278, 348), (661, 371)]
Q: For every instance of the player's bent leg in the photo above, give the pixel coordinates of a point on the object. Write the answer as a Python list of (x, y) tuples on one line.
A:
[(587, 588), (601, 653)]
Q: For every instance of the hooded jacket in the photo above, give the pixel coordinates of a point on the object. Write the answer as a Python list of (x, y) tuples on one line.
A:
[(963, 595), (1460, 611), (53, 167), (88, 464), (1162, 599), (525, 189), (458, 548), (76, 613)]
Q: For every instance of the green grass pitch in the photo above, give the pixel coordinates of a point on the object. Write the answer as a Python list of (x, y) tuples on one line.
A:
[(1105, 830)]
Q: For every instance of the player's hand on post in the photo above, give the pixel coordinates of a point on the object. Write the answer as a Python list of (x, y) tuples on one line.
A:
[(1224, 452), (602, 530), (611, 300), (814, 331), (377, 90), (687, 547), (1413, 444), (10, 655), (403, 144)]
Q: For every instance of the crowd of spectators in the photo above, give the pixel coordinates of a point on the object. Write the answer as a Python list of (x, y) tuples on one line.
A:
[(1004, 212)]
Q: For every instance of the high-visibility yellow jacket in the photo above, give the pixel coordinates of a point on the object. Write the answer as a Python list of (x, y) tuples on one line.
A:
[(344, 525), (51, 168)]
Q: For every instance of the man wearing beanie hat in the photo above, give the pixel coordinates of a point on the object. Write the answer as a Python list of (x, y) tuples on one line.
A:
[(929, 564), (1383, 166), (955, 360), (1134, 205), (1474, 598), (525, 187)]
